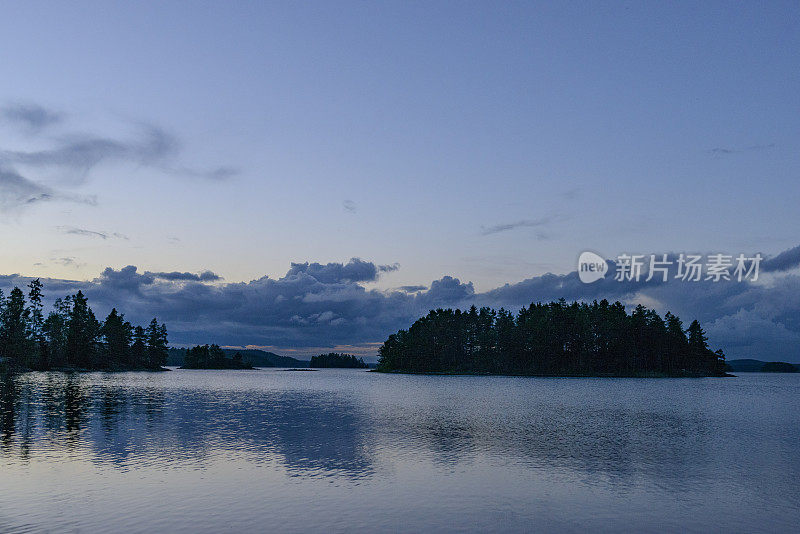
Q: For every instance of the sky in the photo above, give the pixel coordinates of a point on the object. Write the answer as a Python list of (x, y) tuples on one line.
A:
[(453, 149)]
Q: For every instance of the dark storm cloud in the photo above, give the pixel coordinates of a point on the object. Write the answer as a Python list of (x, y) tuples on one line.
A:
[(32, 117), (325, 305)]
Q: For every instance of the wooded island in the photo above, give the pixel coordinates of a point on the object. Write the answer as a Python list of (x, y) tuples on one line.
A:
[(553, 339), (340, 361), (71, 337), (212, 357)]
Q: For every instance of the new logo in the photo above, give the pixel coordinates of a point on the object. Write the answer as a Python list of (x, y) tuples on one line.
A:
[(591, 267)]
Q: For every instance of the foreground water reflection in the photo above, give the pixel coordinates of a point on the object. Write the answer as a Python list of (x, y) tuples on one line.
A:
[(336, 450)]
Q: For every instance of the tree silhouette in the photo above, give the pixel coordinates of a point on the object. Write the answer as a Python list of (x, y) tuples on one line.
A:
[(557, 338), (14, 321), (83, 332), (156, 344), (117, 334), (212, 357), (334, 359), (72, 337)]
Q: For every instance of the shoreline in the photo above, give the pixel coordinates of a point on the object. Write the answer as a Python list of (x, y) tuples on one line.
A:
[(82, 370), (550, 375), (251, 368)]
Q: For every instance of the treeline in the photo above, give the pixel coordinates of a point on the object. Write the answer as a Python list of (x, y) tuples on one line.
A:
[(71, 337), (334, 359), (212, 357), (558, 338)]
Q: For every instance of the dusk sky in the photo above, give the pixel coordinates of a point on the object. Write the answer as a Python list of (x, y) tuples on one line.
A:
[(452, 147)]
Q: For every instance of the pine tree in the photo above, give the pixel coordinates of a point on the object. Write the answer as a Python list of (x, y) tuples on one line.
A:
[(83, 331), (15, 342), (697, 336), (156, 344), (55, 332), (138, 353), (117, 334), (37, 324)]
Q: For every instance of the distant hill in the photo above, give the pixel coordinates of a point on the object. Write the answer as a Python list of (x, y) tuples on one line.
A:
[(779, 367), (758, 366), (259, 358)]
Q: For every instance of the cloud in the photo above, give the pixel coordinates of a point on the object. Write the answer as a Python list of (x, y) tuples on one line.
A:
[(17, 192), (722, 151), (151, 147), (782, 262), (327, 305), (525, 223), (67, 261), (72, 157), (727, 309), (218, 174), (445, 291), (350, 206), (32, 117), (356, 270), (71, 230), (388, 268), (175, 276), (82, 153), (412, 289), (312, 305)]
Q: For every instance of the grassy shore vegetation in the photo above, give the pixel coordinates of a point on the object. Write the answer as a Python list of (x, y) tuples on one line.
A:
[(334, 359), (71, 337), (554, 339)]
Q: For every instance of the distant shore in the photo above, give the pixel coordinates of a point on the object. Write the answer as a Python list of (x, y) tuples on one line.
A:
[(562, 375)]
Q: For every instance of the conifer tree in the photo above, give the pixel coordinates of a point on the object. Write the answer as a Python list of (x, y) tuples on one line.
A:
[(14, 333), (83, 331)]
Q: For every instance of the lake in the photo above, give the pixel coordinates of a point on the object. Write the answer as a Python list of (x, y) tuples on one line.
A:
[(349, 450)]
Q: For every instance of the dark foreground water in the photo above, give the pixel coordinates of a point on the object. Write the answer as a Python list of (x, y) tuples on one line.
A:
[(342, 450)]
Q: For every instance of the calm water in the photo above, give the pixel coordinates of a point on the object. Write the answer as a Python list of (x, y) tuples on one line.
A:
[(342, 450)]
